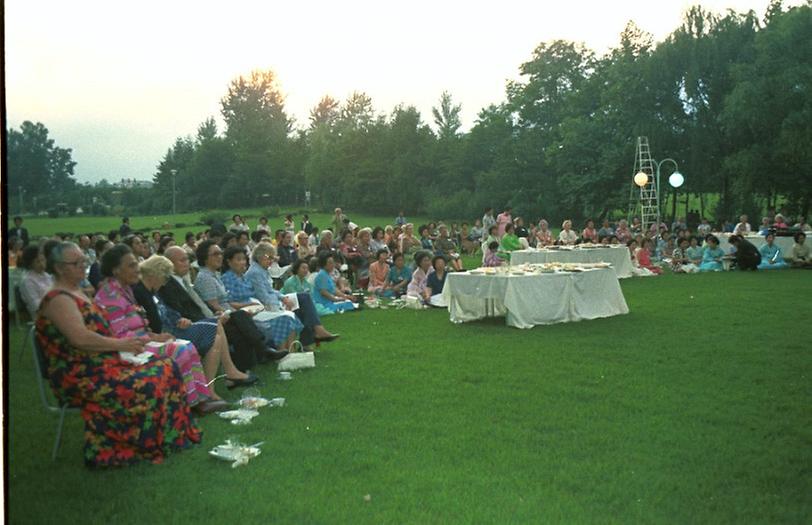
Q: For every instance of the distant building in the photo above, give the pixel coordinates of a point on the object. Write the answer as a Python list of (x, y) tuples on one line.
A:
[(133, 184)]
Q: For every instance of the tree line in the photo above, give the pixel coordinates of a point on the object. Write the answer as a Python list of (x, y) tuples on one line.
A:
[(726, 96)]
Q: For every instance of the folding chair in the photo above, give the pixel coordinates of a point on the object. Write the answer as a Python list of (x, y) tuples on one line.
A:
[(29, 338), (41, 369), (19, 306)]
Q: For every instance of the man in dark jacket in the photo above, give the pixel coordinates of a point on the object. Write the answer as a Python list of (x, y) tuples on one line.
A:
[(747, 255), (18, 231)]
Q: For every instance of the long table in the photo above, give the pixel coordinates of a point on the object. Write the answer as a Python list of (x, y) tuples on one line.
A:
[(618, 255), (534, 299), (784, 243)]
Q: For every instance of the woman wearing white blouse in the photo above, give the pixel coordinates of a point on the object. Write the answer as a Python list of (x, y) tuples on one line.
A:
[(567, 236)]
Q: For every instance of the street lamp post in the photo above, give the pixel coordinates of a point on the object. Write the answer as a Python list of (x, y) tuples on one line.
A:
[(174, 207), (675, 180)]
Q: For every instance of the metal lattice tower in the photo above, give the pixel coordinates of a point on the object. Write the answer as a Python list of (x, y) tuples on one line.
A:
[(647, 206)]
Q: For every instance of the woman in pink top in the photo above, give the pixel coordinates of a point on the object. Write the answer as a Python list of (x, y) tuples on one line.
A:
[(643, 256), (379, 275), (503, 219), (544, 237), (417, 286), (590, 233)]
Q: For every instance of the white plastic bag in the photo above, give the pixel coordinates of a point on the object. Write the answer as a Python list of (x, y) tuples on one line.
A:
[(296, 361)]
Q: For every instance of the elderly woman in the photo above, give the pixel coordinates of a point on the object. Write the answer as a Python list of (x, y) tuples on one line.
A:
[(208, 335), (209, 286), (771, 256), (623, 233), (325, 292), (128, 319), (418, 286), (801, 256), (274, 301), (131, 412), (544, 237), (567, 235), (36, 282), (304, 250), (445, 246), (379, 276), (399, 275), (281, 330), (408, 244)]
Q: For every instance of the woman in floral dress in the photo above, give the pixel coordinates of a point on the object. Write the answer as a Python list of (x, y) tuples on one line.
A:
[(131, 412)]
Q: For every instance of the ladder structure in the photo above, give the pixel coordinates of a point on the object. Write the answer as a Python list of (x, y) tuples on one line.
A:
[(647, 205)]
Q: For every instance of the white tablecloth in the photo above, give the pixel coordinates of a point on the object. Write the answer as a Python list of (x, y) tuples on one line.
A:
[(537, 299), (617, 255), (784, 243)]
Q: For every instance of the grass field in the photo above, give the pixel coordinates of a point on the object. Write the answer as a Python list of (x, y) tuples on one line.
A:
[(695, 407)]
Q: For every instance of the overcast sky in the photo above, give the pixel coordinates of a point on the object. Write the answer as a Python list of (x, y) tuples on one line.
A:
[(119, 81)]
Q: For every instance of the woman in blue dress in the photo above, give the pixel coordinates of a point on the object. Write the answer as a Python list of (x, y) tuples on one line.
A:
[(771, 256), (712, 256), (399, 275), (325, 292)]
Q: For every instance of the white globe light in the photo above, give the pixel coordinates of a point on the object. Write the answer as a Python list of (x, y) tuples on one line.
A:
[(676, 179), (641, 179)]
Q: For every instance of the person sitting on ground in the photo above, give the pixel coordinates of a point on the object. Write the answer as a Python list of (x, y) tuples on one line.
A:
[(643, 255), (274, 301), (352, 256), (208, 335), (680, 262), (567, 236), (408, 245), (166, 242), (694, 252), (802, 225), (378, 241), (364, 246), (712, 255), (418, 285), (589, 234), (477, 231), (704, 228), (435, 282), (36, 282), (237, 224), (281, 331), (399, 275), (489, 238), (467, 246), (127, 319), (747, 255), (325, 291), (152, 242), (379, 275), (301, 282), (189, 244), (263, 225), (771, 256), (801, 257), (425, 238), (509, 243), (314, 237), (124, 421), (623, 233), (94, 274), (446, 247), (304, 250), (228, 240)]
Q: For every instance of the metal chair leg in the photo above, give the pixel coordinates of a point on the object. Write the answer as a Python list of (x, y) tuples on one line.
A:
[(29, 336), (58, 440)]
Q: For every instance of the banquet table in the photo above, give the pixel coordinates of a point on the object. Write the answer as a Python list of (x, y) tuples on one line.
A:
[(534, 299), (784, 243), (617, 255)]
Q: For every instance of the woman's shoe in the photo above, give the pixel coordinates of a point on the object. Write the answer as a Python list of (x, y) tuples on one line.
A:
[(327, 339), (211, 405), (236, 383)]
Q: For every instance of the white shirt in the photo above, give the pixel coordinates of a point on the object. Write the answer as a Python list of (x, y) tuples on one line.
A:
[(742, 227), (568, 237)]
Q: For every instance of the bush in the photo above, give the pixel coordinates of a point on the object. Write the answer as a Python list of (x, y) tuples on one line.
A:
[(214, 217)]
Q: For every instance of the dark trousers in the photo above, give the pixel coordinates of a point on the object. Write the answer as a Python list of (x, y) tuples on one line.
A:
[(246, 339), (308, 316), (747, 263)]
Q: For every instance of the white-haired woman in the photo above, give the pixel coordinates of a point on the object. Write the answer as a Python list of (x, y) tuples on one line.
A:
[(567, 235)]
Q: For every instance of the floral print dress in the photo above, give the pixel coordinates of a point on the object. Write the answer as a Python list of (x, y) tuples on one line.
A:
[(131, 412)]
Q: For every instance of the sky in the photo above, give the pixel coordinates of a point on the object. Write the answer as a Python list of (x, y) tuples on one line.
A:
[(118, 81)]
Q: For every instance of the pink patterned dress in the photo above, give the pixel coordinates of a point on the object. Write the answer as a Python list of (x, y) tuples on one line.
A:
[(127, 319)]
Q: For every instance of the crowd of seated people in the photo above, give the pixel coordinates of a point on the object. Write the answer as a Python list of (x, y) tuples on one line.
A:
[(195, 306)]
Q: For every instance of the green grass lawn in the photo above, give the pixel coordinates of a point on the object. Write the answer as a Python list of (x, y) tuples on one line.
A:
[(695, 407)]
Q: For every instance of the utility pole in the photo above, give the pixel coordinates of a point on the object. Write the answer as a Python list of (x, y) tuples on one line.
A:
[(174, 207)]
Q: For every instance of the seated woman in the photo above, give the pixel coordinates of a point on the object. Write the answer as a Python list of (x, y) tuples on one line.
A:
[(131, 412), (408, 245), (680, 262), (623, 233), (208, 335), (280, 331), (325, 292), (274, 301), (510, 242), (446, 247), (567, 236), (637, 270), (286, 252), (36, 282), (544, 237), (379, 276), (643, 256), (418, 286), (589, 234), (94, 276), (304, 250), (712, 255), (467, 245), (436, 282), (399, 275), (492, 258), (425, 238), (771, 256), (694, 252), (364, 247), (606, 230), (477, 231), (378, 241), (801, 257), (302, 282), (127, 319), (491, 237)]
